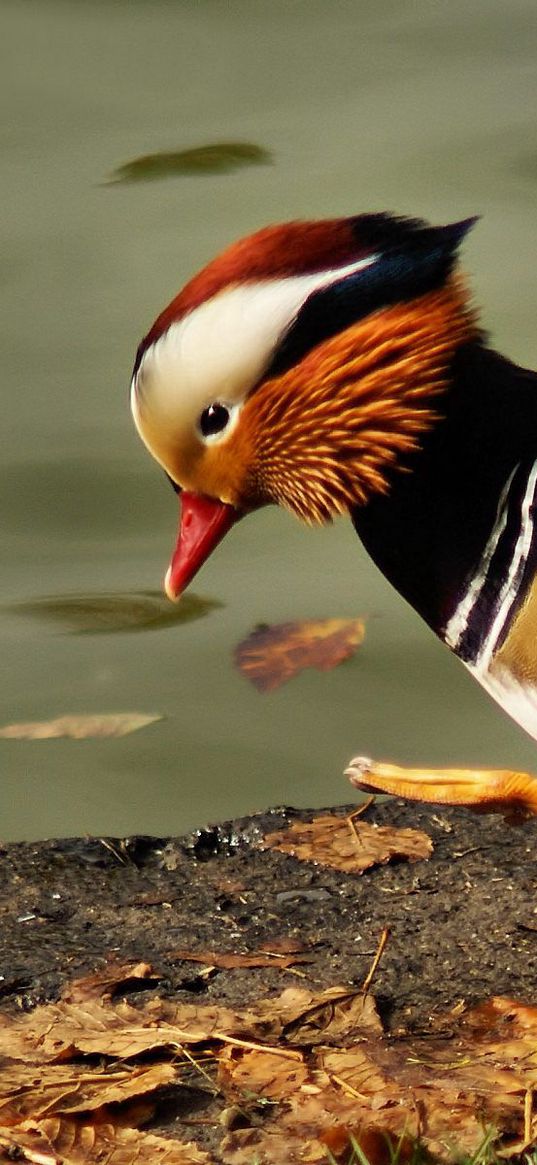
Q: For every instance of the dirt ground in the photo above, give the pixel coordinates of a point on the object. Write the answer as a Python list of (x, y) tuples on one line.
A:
[(463, 923)]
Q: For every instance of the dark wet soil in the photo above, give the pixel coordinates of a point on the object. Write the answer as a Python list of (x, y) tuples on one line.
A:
[(463, 924)]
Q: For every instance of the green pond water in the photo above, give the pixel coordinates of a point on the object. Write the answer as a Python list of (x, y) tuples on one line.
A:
[(419, 107)]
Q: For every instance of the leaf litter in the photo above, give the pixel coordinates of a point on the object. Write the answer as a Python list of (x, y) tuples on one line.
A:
[(292, 1076), (272, 655), (289, 1077)]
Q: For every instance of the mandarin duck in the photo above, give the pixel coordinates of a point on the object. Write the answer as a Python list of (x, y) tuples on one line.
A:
[(337, 367)]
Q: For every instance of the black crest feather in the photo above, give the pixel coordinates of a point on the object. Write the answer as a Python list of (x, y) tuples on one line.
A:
[(412, 258)]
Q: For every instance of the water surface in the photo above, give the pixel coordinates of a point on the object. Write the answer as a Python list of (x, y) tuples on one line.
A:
[(421, 108)]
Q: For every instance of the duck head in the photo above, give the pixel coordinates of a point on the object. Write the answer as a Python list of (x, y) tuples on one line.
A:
[(301, 367)]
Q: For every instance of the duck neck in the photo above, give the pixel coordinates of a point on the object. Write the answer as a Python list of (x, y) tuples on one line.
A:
[(447, 532)]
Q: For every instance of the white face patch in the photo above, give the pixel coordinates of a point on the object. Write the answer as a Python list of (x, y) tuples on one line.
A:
[(217, 353)]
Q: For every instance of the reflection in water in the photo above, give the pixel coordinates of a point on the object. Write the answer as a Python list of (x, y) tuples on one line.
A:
[(416, 108), (221, 158)]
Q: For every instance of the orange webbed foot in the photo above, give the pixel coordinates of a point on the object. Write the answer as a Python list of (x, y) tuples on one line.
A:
[(485, 790)]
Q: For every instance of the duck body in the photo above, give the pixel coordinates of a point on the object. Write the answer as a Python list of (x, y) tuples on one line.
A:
[(338, 368), (457, 534)]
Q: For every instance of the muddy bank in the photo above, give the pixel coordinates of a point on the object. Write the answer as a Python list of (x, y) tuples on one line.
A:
[(463, 923)]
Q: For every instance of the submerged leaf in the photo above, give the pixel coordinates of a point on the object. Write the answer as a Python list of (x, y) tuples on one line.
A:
[(218, 158), (79, 727), (94, 614), (272, 655)]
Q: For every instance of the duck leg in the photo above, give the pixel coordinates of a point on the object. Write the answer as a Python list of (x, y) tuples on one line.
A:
[(493, 790)]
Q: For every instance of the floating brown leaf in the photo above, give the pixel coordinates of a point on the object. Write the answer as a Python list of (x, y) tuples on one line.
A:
[(80, 727), (272, 655), (217, 158), (334, 841)]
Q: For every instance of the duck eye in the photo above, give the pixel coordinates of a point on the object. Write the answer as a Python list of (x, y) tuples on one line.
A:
[(214, 419)]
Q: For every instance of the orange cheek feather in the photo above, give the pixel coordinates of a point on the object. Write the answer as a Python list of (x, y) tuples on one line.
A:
[(326, 435)]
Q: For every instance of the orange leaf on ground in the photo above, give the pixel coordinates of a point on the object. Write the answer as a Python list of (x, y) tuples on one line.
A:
[(332, 841), (272, 655), (79, 727), (378, 1146), (299, 1016), (259, 1073)]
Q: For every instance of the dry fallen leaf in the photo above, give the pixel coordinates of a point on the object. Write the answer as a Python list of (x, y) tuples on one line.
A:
[(108, 981), (71, 1088), (333, 841), (272, 655), (58, 1031), (296, 1016), (446, 1089), (259, 1073), (228, 960), (378, 1147), (332, 1016), (80, 727), (66, 1142)]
